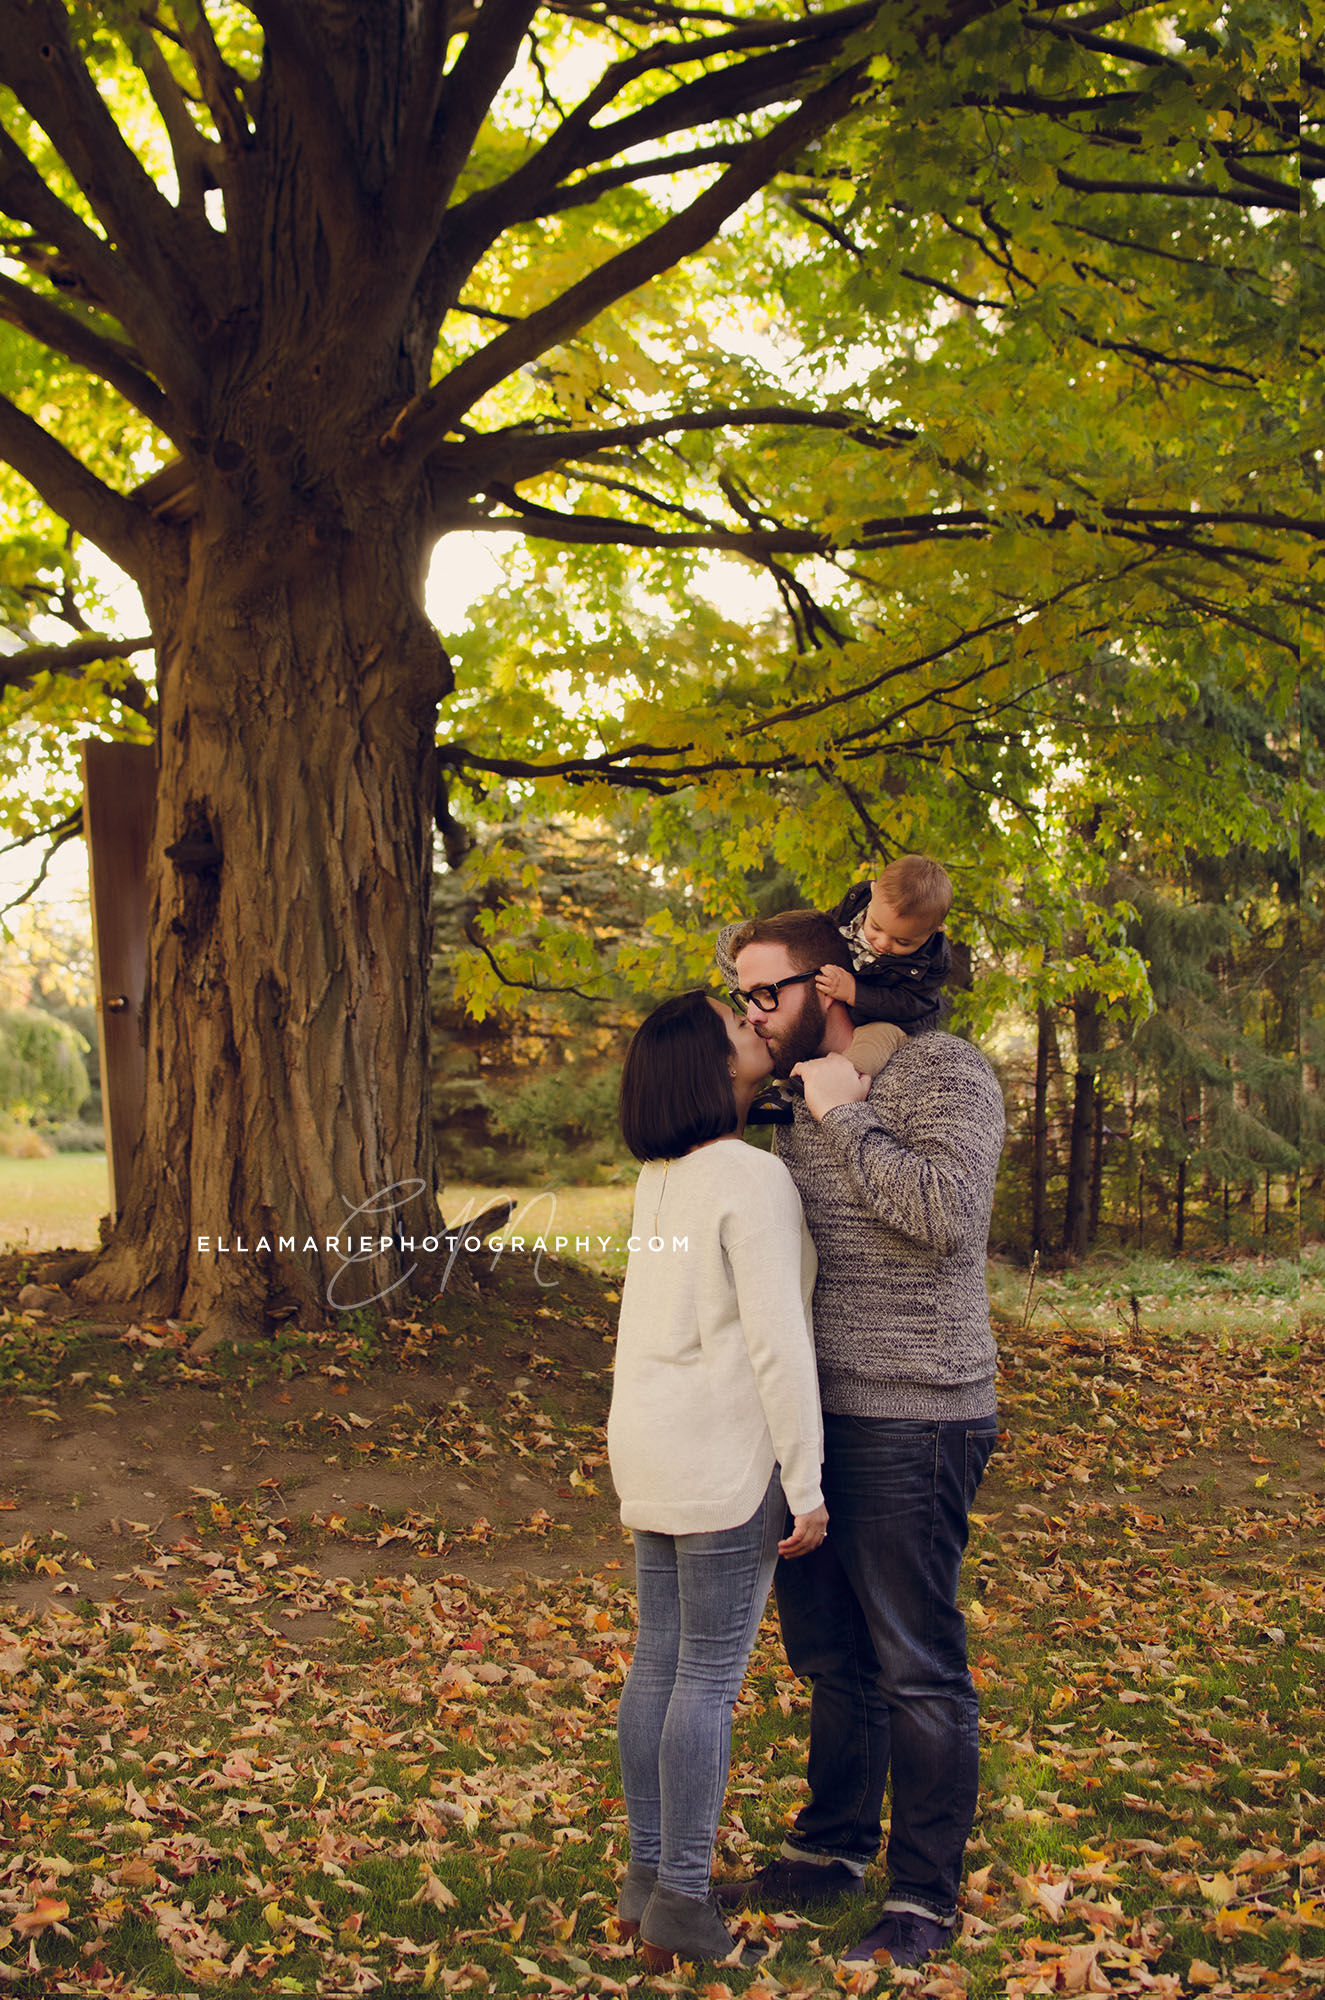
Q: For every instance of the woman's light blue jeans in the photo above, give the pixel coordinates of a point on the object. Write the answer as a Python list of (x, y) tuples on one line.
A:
[(701, 1598)]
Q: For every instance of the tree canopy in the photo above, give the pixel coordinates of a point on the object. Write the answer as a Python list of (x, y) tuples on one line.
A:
[(980, 330)]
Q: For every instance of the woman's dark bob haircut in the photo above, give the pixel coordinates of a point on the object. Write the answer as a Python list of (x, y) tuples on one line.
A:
[(676, 1088)]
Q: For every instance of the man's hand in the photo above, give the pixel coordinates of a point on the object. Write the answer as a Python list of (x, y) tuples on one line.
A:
[(830, 1081), (834, 982), (808, 1530)]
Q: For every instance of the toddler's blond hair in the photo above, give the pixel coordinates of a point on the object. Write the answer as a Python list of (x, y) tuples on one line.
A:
[(915, 886)]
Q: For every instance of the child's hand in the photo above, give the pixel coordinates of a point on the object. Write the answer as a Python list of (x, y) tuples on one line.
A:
[(836, 983)]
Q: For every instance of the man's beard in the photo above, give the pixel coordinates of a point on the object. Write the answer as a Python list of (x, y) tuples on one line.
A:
[(803, 1038)]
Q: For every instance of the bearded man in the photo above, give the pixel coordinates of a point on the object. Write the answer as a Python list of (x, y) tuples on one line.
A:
[(896, 1176)]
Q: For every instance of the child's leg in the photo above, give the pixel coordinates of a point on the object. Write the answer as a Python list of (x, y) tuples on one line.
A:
[(872, 1045)]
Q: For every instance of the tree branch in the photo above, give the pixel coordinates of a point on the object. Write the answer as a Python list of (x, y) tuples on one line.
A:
[(745, 86), (1278, 196), (1105, 45), (440, 21), (308, 94), (1139, 249), (220, 85), (577, 193), (512, 455), (196, 158), (114, 361), (803, 711), (1168, 528), (577, 143), (127, 535), (106, 278), (169, 255), (794, 50), (524, 985), (66, 830), (595, 530), (1282, 197), (25, 196), (1226, 616), (426, 420), (20, 669), (611, 766), (1155, 356), (416, 197)]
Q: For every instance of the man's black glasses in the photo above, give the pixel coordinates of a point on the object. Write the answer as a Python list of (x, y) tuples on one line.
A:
[(765, 997)]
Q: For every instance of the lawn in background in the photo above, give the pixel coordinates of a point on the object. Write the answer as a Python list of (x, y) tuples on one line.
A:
[(53, 1204), (57, 1203)]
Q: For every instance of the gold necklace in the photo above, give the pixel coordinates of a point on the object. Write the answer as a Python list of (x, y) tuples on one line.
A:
[(657, 1207)]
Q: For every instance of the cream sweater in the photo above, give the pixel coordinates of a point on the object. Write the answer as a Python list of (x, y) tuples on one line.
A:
[(715, 1381)]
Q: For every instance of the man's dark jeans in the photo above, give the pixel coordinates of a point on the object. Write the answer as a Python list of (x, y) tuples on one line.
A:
[(871, 1619)]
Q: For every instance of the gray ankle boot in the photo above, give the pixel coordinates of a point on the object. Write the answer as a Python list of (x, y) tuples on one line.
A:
[(637, 1885), (682, 1927)]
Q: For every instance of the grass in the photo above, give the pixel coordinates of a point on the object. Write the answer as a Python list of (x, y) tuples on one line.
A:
[(56, 1204), (383, 1817), (195, 1797), (53, 1204), (594, 1220), (1116, 1290)]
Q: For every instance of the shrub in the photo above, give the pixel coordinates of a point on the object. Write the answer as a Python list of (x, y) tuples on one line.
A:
[(76, 1136), (561, 1109), (42, 1072), (20, 1142)]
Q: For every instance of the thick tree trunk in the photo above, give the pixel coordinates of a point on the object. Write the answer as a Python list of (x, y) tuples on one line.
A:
[(1076, 1209), (287, 1097), (1180, 1209)]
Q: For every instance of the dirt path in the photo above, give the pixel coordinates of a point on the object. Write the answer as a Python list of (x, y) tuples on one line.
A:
[(469, 1442)]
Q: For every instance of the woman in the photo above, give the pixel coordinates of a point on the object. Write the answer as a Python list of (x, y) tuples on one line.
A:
[(714, 1432)]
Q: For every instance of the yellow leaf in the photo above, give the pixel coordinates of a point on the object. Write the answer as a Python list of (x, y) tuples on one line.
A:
[(46, 1910), (1233, 1923)]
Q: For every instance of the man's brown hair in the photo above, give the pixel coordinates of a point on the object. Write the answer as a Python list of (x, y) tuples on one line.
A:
[(808, 936), (915, 886)]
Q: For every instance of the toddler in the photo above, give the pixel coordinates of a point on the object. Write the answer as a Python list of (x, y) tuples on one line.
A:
[(894, 931)]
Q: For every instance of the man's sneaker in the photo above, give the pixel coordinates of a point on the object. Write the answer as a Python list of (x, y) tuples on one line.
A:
[(907, 1938), (785, 1884)]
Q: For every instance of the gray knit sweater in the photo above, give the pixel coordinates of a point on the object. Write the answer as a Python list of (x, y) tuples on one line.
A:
[(897, 1193)]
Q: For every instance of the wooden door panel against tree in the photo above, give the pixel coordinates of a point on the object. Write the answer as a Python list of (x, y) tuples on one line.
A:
[(119, 796)]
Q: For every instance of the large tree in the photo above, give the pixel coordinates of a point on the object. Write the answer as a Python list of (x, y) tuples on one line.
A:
[(369, 274)]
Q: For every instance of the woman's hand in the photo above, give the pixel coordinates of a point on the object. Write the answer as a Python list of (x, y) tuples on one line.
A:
[(830, 1081), (808, 1530)]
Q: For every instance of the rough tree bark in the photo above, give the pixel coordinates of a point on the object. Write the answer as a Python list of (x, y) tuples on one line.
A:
[(292, 873)]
